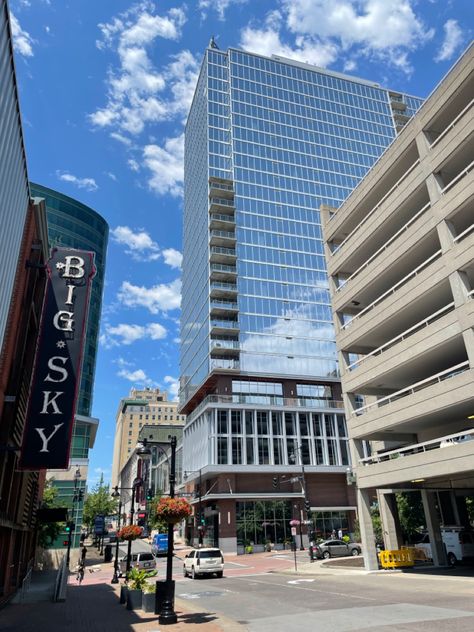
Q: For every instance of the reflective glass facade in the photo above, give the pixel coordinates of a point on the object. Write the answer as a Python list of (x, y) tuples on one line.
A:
[(267, 142)]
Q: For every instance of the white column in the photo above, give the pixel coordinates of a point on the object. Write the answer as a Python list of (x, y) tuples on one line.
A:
[(366, 531), (438, 551)]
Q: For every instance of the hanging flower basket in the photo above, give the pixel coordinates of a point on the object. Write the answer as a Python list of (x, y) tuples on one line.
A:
[(130, 532), (173, 510), (294, 523)]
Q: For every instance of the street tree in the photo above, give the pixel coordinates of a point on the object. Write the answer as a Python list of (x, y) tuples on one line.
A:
[(49, 531), (99, 502)]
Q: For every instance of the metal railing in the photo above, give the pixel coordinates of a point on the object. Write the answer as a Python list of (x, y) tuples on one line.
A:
[(405, 334), (225, 324), (222, 267), (219, 250), (222, 233), (377, 206), (25, 584), (452, 124), (394, 288), (224, 344), (413, 388), (222, 202), (224, 304), (464, 233), (230, 287), (460, 176), (224, 364), (223, 218), (385, 246), (416, 448)]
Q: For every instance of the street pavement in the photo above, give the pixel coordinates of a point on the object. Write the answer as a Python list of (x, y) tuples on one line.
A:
[(263, 593)]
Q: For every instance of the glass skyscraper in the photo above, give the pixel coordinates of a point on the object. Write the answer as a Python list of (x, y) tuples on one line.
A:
[(268, 140)]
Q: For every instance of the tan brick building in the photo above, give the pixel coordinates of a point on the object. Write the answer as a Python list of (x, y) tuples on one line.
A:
[(140, 408)]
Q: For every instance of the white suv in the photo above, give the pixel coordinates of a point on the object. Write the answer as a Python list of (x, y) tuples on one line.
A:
[(204, 562)]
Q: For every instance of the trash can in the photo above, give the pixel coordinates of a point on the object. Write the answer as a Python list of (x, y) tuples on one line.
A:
[(161, 593), (108, 553)]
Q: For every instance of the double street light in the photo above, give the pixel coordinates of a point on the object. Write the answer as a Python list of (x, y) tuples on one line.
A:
[(200, 522), (117, 494), (307, 505)]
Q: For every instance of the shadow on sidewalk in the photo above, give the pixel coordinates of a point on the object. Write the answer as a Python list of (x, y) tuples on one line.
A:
[(197, 617)]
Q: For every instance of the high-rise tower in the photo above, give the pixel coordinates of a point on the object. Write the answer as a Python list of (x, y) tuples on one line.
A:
[(268, 140)]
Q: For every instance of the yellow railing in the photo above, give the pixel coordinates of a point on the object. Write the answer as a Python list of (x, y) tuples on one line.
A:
[(396, 559)]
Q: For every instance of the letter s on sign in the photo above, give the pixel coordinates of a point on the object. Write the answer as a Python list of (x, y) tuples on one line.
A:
[(58, 369)]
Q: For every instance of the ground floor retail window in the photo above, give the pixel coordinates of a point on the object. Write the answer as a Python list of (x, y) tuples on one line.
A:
[(326, 523), (261, 522)]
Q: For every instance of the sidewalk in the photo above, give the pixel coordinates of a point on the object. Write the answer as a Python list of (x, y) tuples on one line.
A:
[(94, 607)]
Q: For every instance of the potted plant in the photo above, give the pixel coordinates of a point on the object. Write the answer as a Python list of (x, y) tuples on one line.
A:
[(130, 532), (136, 579), (148, 597), (172, 510)]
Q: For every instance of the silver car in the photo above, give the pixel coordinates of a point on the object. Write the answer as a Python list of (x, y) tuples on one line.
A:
[(336, 548), (142, 560)]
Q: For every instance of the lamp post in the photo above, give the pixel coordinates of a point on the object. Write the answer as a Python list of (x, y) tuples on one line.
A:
[(136, 483), (303, 486), (116, 494), (168, 615), (70, 523)]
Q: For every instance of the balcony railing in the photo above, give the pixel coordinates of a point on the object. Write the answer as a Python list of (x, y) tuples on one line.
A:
[(414, 388), (405, 334), (225, 324), (452, 124), (268, 400), (223, 218), (223, 304), (385, 246), (394, 288), (464, 233), (224, 344), (222, 202), (226, 234), (460, 176), (377, 206), (221, 267), (416, 448), (218, 363), (219, 250), (227, 287)]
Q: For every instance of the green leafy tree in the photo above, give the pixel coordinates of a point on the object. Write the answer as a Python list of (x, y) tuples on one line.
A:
[(99, 502), (49, 531), (376, 525), (470, 509), (411, 515)]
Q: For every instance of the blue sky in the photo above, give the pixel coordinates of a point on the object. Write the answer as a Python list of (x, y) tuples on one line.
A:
[(105, 87)]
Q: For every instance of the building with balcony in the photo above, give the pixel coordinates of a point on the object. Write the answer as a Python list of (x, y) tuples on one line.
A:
[(400, 254), (268, 140)]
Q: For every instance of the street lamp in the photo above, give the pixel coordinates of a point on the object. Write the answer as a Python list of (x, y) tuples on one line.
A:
[(70, 524), (307, 505), (136, 483), (200, 526), (116, 494), (167, 615)]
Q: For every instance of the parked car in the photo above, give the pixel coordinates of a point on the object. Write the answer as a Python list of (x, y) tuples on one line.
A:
[(159, 545), (336, 548), (204, 562), (458, 542), (110, 537), (140, 560)]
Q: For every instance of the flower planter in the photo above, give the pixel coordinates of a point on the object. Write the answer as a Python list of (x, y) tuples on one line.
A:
[(148, 602), (134, 599), (173, 510), (123, 593)]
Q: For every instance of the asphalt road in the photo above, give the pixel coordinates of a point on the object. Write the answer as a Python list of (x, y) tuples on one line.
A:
[(337, 603)]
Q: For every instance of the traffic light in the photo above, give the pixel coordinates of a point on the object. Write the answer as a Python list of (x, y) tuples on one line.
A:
[(69, 527), (307, 506), (275, 482), (149, 494), (65, 542), (203, 520)]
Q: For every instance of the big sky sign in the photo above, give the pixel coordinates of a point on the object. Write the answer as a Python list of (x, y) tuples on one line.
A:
[(58, 360)]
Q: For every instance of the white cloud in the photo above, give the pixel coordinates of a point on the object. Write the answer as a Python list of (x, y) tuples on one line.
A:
[(112, 176), (220, 6), (161, 297), (133, 164), (138, 93), (22, 40), (126, 334), (172, 386), (452, 40), (173, 257), (82, 183), (166, 166), (138, 376), (266, 41), (138, 244)]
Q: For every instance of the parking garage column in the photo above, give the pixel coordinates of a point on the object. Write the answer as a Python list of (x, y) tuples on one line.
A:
[(438, 551), (366, 530), (392, 535)]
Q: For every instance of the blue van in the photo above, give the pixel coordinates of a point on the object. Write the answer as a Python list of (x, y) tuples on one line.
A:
[(159, 545)]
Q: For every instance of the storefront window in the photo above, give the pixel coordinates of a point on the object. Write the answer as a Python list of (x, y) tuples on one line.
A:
[(260, 522)]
